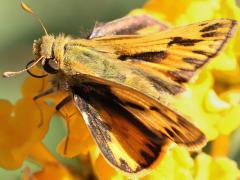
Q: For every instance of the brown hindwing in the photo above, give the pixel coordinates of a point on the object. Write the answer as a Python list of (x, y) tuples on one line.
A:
[(123, 140)]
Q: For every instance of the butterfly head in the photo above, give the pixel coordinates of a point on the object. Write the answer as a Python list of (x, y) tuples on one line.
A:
[(43, 50)]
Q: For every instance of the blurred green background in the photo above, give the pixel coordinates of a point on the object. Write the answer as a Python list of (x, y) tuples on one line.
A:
[(18, 29)]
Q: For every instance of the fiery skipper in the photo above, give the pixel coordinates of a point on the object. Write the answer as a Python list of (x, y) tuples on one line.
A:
[(119, 80)]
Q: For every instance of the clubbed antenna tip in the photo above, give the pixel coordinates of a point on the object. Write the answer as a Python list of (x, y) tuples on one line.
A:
[(26, 8)]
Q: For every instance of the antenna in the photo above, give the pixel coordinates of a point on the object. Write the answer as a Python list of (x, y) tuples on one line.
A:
[(26, 8), (13, 73)]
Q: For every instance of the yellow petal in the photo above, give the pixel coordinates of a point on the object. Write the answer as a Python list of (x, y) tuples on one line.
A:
[(223, 169), (220, 146), (214, 104), (202, 166), (102, 169)]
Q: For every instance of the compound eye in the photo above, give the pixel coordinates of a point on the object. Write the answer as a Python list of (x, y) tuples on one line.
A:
[(51, 66)]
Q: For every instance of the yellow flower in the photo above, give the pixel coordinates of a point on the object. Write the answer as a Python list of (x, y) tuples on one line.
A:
[(51, 168), (20, 129), (212, 168), (53, 171)]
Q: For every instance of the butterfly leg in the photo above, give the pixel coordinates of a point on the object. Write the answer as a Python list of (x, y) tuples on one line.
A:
[(42, 94), (65, 101), (45, 93), (59, 106), (66, 116)]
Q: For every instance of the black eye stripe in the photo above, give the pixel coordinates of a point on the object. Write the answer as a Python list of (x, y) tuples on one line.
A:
[(32, 74), (48, 68)]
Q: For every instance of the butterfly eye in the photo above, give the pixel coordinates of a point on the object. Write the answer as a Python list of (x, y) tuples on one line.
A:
[(51, 66)]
